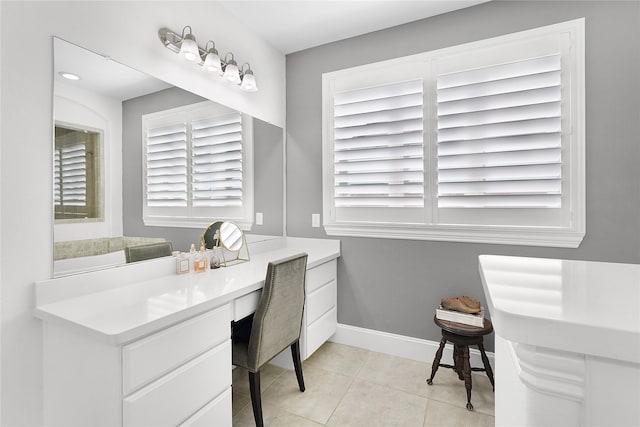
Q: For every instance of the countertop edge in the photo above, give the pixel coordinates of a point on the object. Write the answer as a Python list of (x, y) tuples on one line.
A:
[(569, 337), (147, 328)]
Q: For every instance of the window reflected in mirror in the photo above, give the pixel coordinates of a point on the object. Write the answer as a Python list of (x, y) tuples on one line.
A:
[(78, 194)]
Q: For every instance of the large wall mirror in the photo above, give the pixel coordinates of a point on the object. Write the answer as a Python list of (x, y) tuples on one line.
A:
[(98, 167)]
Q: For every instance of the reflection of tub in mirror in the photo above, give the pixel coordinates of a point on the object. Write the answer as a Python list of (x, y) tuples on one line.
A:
[(67, 266)]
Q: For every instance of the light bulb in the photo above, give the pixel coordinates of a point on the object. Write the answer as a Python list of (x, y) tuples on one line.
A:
[(212, 62), (189, 49), (249, 82), (231, 72)]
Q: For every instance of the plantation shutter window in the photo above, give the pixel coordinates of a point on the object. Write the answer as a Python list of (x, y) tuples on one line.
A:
[(72, 175), (378, 151), (77, 183), (482, 142), (499, 136), (167, 166), (198, 166), (217, 161)]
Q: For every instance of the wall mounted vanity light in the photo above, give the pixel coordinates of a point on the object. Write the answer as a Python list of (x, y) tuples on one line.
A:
[(185, 45)]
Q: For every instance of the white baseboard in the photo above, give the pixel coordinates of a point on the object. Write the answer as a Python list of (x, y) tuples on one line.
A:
[(400, 345)]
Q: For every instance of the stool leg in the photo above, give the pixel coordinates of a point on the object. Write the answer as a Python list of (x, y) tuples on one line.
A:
[(466, 368), (457, 360), (487, 365), (436, 361)]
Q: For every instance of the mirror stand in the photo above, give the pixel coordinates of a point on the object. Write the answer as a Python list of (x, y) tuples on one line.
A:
[(230, 239), (236, 255)]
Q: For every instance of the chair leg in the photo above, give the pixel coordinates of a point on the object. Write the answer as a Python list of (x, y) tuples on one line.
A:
[(297, 364), (256, 400), (436, 361)]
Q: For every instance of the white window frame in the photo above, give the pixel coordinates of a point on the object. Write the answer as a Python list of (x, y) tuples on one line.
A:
[(96, 180), (431, 225), (199, 217)]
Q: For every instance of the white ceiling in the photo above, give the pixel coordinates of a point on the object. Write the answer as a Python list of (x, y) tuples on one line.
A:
[(100, 74), (289, 26), (294, 25)]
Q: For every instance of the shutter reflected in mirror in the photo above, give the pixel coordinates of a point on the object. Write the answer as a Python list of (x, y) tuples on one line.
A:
[(77, 174), (166, 158), (216, 161)]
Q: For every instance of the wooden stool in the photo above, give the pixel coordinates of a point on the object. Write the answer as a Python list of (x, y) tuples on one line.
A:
[(462, 336)]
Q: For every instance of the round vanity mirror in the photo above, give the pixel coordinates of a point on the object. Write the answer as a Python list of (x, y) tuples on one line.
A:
[(231, 236), (210, 235)]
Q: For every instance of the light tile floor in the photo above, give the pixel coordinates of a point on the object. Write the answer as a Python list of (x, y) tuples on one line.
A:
[(349, 386)]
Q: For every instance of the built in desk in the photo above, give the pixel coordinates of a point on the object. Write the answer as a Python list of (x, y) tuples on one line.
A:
[(139, 345), (567, 349)]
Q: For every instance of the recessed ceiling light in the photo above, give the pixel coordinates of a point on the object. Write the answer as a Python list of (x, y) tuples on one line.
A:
[(69, 76)]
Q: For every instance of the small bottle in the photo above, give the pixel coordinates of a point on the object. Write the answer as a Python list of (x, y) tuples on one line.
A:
[(192, 257), (182, 263), (200, 261), (215, 261), (203, 254)]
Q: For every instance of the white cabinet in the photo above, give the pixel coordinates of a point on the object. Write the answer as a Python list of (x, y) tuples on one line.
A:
[(215, 413), (181, 374), (320, 318), (149, 358), (139, 345), (181, 393)]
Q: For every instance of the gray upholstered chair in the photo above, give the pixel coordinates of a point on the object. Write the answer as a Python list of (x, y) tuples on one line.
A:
[(148, 251), (274, 326)]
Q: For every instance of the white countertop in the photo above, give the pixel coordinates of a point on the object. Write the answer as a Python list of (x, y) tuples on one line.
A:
[(147, 301), (583, 307)]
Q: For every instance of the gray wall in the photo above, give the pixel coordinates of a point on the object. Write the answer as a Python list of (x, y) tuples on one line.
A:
[(268, 188), (395, 285)]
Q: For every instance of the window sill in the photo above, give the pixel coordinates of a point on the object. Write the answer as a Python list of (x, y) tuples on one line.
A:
[(522, 236), (202, 223)]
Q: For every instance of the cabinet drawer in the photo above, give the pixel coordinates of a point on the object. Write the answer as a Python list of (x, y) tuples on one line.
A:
[(320, 301), (320, 331), (215, 413), (179, 394), (151, 357), (245, 305), (320, 275)]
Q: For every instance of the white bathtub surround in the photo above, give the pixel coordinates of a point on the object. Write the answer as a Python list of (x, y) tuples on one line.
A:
[(121, 343), (567, 341)]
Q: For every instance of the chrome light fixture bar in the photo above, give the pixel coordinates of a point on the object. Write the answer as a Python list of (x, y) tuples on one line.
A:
[(185, 45)]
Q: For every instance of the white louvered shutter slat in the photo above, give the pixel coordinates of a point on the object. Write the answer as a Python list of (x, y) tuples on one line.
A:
[(378, 146), (499, 136), (216, 161), (166, 161), (57, 179), (73, 175)]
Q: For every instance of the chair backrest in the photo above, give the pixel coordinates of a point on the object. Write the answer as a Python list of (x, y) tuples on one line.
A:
[(148, 251), (277, 321)]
